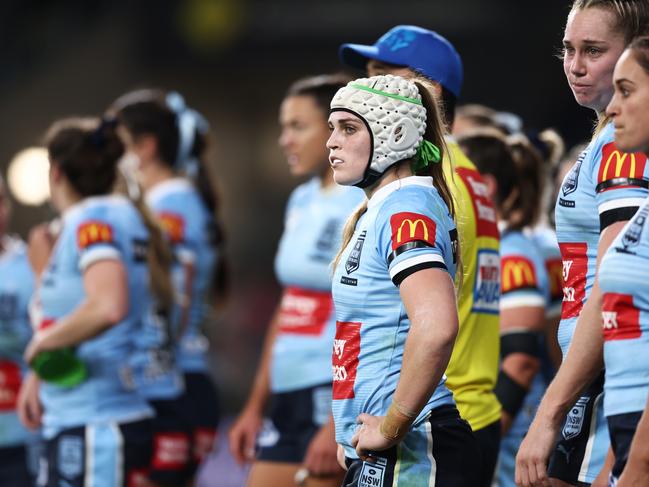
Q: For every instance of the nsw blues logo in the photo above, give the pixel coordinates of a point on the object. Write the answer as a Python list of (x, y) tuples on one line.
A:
[(631, 237), (354, 259), (572, 178), (575, 419), (397, 40), (70, 456)]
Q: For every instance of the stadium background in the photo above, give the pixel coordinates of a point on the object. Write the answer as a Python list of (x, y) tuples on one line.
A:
[(232, 60)]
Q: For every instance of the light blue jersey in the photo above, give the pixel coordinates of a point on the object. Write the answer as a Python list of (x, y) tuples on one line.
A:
[(624, 279), (190, 228), (545, 239), (524, 282), (96, 229), (16, 287), (406, 228), (306, 323), (603, 187)]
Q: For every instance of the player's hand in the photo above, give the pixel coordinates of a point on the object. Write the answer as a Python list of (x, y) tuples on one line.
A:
[(243, 435), (368, 437), (321, 455), (29, 406), (533, 455), (635, 474)]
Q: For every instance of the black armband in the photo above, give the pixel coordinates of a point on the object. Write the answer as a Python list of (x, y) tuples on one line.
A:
[(510, 393), (607, 218), (523, 341)]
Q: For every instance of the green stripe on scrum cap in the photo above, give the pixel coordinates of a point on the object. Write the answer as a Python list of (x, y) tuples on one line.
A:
[(389, 95)]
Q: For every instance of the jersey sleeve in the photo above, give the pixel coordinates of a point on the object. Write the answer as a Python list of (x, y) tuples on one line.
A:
[(95, 241), (522, 283), (622, 183), (410, 241), (175, 226)]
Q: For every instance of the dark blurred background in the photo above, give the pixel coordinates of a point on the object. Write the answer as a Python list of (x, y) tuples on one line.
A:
[(232, 60)]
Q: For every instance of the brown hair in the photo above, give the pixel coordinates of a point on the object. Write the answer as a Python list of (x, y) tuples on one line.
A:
[(631, 20), (434, 133), (87, 151), (148, 112), (321, 88), (640, 51)]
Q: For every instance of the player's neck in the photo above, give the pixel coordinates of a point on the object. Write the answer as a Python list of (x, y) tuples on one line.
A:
[(152, 175)]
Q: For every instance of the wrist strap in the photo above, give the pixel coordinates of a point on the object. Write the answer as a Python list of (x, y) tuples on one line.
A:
[(396, 422)]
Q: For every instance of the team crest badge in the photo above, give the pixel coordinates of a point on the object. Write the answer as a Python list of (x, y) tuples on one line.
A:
[(372, 473), (572, 179), (575, 419), (354, 259), (70, 456), (631, 237)]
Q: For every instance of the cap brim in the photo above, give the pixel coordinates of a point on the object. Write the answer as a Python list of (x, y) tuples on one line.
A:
[(357, 55)]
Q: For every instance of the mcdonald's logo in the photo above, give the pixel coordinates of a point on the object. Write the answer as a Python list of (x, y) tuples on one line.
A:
[(408, 227), (616, 164), (173, 225), (517, 272), (93, 232)]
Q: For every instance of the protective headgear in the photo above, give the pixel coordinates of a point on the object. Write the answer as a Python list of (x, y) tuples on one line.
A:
[(391, 108)]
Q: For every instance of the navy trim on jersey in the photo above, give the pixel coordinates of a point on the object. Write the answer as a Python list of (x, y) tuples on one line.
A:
[(523, 288), (615, 215), (398, 278), (415, 244), (616, 182)]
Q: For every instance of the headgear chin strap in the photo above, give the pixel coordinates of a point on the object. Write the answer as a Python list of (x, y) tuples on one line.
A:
[(188, 121), (392, 110)]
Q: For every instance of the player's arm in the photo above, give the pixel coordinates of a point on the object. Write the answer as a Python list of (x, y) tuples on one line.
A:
[(106, 304), (582, 364), (521, 328), (428, 296)]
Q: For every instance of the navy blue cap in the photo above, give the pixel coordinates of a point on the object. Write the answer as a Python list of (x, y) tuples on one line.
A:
[(413, 47)]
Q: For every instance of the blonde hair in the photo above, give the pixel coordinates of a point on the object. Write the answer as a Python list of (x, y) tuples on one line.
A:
[(631, 20)]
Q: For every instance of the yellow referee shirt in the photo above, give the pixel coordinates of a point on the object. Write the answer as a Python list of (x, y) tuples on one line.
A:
[(473, 368)]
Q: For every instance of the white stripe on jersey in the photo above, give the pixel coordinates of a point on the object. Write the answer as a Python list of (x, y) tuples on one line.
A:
[(92, 256), (90, 456), (433, 463), (588, 453), (119, 460), (519, 301), (413, 261), (620, 203)]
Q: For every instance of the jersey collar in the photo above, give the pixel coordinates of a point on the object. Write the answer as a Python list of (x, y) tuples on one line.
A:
[(385, 191), (162, 189)]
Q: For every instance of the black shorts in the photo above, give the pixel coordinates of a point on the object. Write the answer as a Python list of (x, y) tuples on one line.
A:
[(14, 471), (621, 428), (581, 450), (441, 451), (110, 454), (171, 443), (294, 418), (488, 439), (201, 405)]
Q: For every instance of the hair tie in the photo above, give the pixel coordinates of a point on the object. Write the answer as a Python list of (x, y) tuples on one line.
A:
[(98, 137), (427, 152)]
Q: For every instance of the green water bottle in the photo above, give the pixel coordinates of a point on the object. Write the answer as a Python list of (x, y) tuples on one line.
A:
[(60, 367)]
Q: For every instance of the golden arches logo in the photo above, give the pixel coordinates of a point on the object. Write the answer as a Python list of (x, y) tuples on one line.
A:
[(517, 273), (620, 159), (412, 226), (90, 233)]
